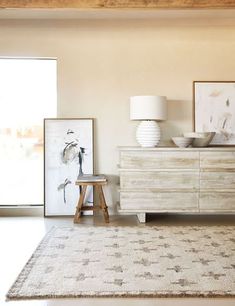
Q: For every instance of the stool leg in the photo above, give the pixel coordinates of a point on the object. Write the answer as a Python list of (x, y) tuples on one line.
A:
[(103, 203), (79, 206)]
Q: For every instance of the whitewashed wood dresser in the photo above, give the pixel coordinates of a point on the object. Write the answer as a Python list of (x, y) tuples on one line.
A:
[(190, 180)]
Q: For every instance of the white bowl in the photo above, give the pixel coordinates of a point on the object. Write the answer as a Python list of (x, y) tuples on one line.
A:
[(182, 142), (197, 134), (201, 139)]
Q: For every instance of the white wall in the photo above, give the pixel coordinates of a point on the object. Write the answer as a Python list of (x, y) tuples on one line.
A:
[(101, 63)]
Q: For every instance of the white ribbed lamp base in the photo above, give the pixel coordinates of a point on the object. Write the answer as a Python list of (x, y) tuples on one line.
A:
[(148, 134)]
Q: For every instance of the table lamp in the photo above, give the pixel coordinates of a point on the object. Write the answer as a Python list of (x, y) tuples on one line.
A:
[(148, 109)]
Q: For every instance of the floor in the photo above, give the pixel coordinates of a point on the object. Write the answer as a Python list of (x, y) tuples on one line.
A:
[(19, 236)]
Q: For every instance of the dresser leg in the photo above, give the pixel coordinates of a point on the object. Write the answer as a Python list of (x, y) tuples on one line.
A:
[(142, 217)]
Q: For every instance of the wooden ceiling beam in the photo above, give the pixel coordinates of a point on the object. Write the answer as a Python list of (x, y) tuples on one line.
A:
[(118, 4)]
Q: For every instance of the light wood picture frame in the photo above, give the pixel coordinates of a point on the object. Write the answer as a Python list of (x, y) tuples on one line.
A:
[(214, 110), (68, 153)]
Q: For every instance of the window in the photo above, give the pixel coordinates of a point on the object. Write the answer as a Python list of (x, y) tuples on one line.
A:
[(27, 95)]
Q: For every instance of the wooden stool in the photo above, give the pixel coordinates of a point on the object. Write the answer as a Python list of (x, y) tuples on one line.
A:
[(98, 185)]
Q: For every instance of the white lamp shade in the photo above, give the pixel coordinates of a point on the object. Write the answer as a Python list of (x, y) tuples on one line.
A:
[(148, 108)]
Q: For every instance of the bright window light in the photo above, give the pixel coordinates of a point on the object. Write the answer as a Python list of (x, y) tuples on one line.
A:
[(28, 94)]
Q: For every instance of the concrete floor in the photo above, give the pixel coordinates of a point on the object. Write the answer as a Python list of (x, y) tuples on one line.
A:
[(19, 236)]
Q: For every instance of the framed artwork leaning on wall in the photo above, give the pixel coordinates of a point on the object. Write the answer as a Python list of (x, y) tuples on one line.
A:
[(68, 153), (214, 110)]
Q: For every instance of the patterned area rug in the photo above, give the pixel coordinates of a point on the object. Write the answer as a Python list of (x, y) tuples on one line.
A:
[(130, 261)]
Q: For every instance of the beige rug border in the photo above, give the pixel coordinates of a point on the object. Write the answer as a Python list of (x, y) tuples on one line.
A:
[(12, 294)]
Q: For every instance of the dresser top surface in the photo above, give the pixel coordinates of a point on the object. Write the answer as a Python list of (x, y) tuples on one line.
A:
[(158, 149)]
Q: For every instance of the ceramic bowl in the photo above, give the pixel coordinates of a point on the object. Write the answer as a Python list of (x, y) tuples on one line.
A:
[(201, 139), (182, 142)]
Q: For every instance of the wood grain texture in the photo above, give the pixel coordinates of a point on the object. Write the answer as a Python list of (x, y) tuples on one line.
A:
[(215, 160), (119, 4), (165, 180), (217, 180), (159, 201), (102, 203), (141, 217), (154, 160), (80, 204), (217, 201), (173, 180)]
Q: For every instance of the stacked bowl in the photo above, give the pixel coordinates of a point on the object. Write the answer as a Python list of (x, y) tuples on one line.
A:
[(182, 142), (196, 139)]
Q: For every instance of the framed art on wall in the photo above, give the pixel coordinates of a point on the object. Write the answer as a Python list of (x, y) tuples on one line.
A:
[(68, 153), (214, 110)]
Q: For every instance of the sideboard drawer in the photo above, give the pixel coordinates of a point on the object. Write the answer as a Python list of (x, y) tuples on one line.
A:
[(217, 201), (159, 201), (217, 160), (195, 180), (159, 179), (217, 180), (156, 160)]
